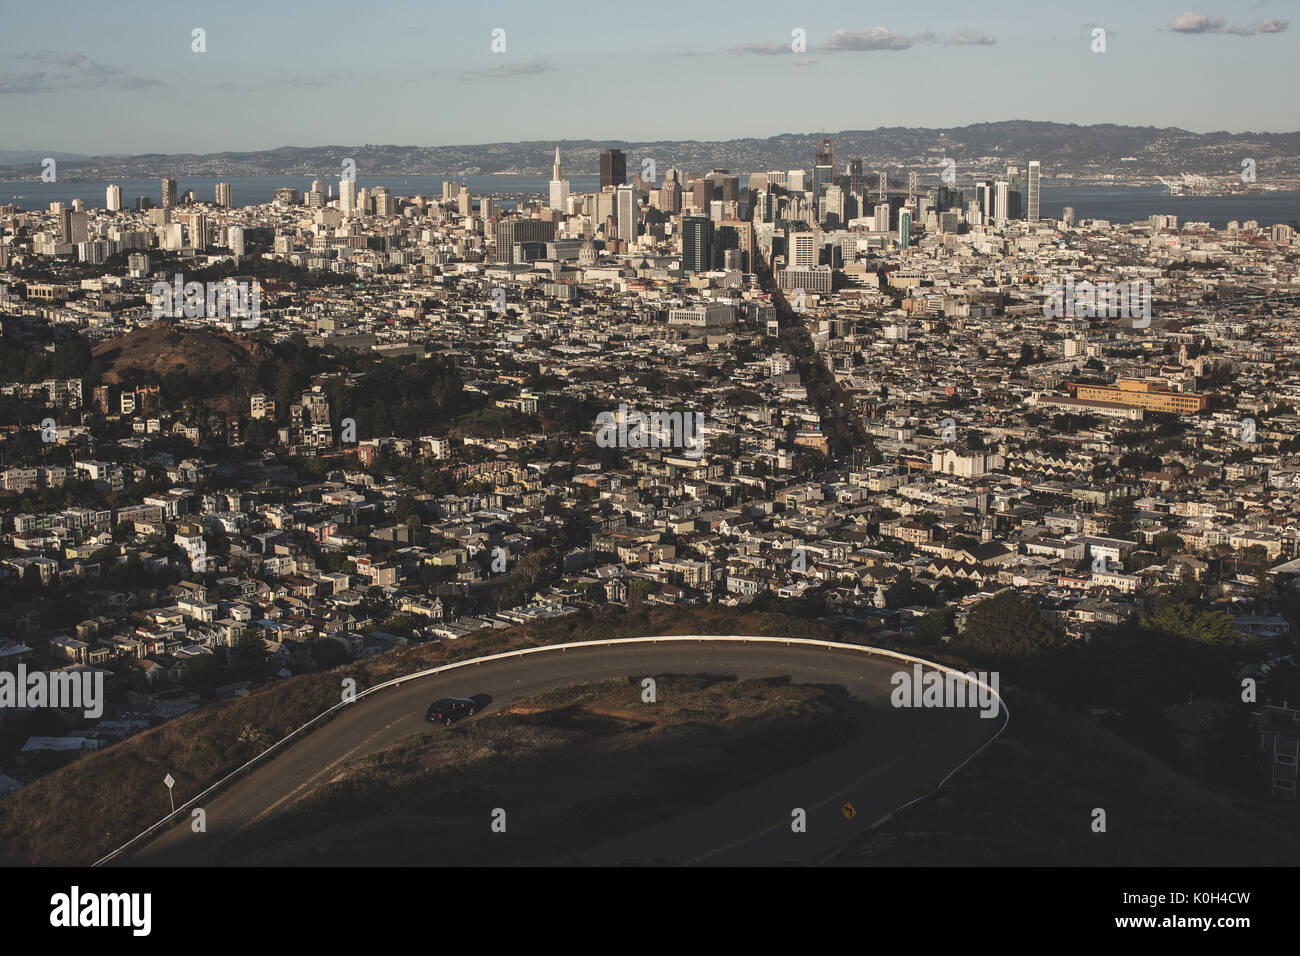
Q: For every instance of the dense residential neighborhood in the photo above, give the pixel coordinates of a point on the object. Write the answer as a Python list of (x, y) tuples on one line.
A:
[(908, 399)]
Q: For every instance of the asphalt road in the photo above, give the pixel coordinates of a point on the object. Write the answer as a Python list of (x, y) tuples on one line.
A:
[(904, 754)]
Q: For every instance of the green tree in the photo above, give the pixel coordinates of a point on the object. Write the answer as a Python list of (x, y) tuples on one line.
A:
[(1008, 625)]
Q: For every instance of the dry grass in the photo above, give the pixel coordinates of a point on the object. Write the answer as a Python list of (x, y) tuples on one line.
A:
[(82, 811)]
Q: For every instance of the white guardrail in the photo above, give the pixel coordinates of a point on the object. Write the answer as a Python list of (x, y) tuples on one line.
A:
[(185, 808)]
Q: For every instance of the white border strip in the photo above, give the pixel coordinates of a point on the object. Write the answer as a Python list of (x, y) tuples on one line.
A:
[(183, 809)]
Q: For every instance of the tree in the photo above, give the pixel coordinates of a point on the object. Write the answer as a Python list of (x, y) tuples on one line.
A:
[(249, 652), (1009, 625), (1198, 626)]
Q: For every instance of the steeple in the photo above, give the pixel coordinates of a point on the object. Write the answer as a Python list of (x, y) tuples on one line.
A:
[(556, 175)]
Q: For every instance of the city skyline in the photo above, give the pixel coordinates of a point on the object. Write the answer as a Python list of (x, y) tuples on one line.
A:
[(314, 85)]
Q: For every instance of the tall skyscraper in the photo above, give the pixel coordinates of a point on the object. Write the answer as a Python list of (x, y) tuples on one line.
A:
[(882, 217), (1015, 193), (823, 168), (1031, 212), (348, 195), (169, 194), (904, 228), (114, 198), (225, 198), (625, 209), (697, 244), (236, 240), (464, 202), (613, 168), (559, 186), (1067, 215), (1001, 202)]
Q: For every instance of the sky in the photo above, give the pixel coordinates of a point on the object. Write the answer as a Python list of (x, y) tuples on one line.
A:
[(124, 78)]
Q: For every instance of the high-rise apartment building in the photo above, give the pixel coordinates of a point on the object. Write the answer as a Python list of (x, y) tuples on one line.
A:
[(169, 194), (225, 197), (113, 198)]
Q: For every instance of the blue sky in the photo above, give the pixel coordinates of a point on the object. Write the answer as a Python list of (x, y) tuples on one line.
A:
[(102, 77)]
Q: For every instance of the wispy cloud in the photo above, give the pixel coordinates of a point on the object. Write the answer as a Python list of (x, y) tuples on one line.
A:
[(880, 38), (770, 48), (1200, 23), (53, 71), (964, 37), (525, 68), (868, 40)]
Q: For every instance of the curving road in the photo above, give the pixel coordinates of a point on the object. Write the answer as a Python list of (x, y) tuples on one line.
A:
[(904, 754)]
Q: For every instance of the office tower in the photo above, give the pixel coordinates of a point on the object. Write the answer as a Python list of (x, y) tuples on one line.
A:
[(113, 198), (832, 205), (1015, 193), (236, 240), (168, 193), (904, 228), (64, 214), (464, 202), (511, 233), (287, 194), (984, 201), (1001, 202), (823, 168), (697, 244), (778, 177), (225, 197), (670, 196), (797, 180), (729, 185), (765, 206), (348, 195), (738, 236), (559, 187), (316, 195), (385, 203), (701, 194), (1067, 216), (801, 250), (882, 218), (626, 212), (613, 168), (1031, 211)]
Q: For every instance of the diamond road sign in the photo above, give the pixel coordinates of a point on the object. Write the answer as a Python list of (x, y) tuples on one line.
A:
[(169, 781)]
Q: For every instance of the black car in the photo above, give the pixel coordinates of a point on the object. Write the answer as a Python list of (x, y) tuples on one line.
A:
[(447, 709)]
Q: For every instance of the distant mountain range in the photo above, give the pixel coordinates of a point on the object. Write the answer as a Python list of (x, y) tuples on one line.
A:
[(1090, 153)]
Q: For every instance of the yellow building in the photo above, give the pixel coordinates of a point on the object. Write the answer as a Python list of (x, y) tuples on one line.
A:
[(1152, 396)]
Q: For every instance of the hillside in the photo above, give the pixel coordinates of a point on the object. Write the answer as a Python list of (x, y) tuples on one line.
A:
[(163, 349)]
